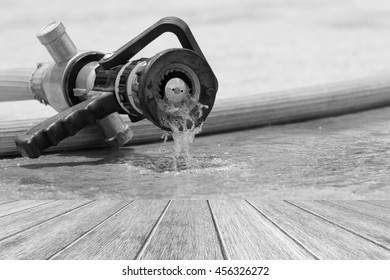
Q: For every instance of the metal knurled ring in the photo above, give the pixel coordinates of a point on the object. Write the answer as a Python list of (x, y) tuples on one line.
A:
[(122, 87)]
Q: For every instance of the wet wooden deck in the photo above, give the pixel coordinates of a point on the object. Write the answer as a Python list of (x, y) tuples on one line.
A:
[(344, 157), (161, 229), (254, 47)]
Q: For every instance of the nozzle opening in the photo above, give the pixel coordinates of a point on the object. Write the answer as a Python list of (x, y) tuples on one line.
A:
[(176, 86)]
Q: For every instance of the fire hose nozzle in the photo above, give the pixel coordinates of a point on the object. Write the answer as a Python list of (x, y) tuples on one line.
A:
[(91, 87)]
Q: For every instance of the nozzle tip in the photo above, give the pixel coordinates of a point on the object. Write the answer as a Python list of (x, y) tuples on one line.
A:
[(57, 42), (50, 32)]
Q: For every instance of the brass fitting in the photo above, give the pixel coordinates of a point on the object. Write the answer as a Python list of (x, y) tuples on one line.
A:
[(55, 82)]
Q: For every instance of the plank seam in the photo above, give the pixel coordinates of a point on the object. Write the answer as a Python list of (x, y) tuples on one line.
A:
[(345, 207), (152, 232), (339, 225), (43, 222), (370, 202), (29, 208), (88, 231), (6, 202), (284, 231), (225, 253)]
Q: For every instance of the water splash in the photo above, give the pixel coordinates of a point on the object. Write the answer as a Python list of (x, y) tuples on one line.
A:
[(184, 121), (165, 136)]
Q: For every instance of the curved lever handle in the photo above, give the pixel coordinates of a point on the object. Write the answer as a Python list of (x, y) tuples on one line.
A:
[(67, 123), (167, 24)]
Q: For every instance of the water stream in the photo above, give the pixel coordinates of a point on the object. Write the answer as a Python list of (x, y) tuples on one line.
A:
[(184, 121)]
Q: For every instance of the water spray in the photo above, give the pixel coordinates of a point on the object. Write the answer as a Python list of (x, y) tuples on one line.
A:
[(174, 89)]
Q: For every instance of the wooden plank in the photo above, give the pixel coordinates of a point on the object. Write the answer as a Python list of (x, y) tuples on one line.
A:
[(245, 112), (6, 201), (248, 235), (365, 208), (383, 203), (44, 240), (185, 232), (121, 237), (17, 206), (324, 239), (20, 221), (368, 227)]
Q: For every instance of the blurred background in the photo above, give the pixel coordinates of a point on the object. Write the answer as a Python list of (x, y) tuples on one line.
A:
[(253, 46)]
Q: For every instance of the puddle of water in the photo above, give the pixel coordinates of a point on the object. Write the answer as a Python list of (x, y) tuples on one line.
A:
[(163, 163)]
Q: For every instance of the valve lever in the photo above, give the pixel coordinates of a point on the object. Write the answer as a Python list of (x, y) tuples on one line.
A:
[(67, 123)]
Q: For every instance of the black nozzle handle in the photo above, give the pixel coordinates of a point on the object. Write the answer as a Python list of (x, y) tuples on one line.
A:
[(67, 123), (167, 24)]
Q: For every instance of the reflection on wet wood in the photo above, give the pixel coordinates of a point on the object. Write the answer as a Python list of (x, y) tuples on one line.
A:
[(192, 230)]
